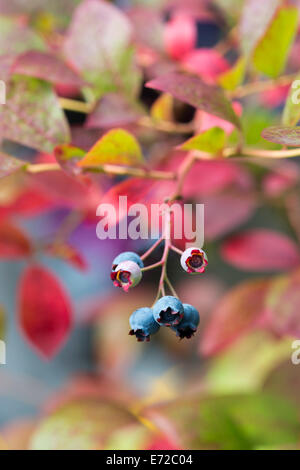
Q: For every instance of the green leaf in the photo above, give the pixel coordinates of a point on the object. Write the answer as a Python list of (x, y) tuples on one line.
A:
[(283, 135), (248, 421), (211, 141), (247, 364), (256, 18), (233, 78), (271, 53), (9, 165), (16, 38), (117, 147), (68, 157), (291, 112), (90, 424), (32, 115), (254, 121), (192, 90)]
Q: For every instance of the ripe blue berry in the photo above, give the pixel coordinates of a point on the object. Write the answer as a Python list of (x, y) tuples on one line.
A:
[(127, 256), (189, 324), (194, 260), (127, 274), (143, 324), (168, 311)]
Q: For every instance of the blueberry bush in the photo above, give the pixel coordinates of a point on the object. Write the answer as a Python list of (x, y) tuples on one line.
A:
[(166, 102)]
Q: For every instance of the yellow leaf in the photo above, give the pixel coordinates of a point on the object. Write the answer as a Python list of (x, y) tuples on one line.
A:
[(116, 147)]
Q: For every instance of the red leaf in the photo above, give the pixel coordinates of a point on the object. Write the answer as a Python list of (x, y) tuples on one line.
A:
[(14, 243), (261, 250), (29, 203), (66, 190), (240, 310), (47, 67), (44, 311)]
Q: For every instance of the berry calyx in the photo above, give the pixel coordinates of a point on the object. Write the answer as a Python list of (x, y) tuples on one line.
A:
[(194, 260), (168, 311), (189, 324), (127, 274), (143, 324)]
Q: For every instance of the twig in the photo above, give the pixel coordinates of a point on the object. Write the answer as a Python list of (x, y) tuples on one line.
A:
[(152, 248)]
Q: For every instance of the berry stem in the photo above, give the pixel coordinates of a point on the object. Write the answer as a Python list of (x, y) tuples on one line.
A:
[(170, 285), (177, 250), (152, 248), (152, 266)]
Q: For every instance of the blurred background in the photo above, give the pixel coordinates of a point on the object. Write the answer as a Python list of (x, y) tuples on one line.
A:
[(233, 385)]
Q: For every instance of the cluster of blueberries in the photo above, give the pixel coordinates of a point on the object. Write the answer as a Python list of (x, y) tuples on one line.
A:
[(168, 311)]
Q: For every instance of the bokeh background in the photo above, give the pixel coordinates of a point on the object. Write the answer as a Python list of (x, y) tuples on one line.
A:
[(231, 386)]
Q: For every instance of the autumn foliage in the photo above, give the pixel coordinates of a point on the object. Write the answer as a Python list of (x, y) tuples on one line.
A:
[(165, 101)]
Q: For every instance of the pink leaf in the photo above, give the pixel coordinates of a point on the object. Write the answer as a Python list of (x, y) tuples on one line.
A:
[(214, 176), (283, 305), (240, 310), (113, 110), (194, 91), (47, 67), (44, 311), (137, 190), (224, 212), (261, 250)]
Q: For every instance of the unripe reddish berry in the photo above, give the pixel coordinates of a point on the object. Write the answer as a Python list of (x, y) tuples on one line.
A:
[(127, 274), (180, 36), (194, 260)]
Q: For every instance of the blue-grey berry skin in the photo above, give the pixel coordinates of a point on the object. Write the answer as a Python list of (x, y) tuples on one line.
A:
[(168, 311), (127, 256), (189, 324), (143, 324)]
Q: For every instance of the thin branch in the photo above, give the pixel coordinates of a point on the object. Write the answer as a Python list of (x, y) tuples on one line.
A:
[(152, 266), (177, 250), (152, 248), (171, 287), (261, 86), (110, 170)]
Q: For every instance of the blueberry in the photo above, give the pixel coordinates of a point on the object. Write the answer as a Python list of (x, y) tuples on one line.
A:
[(189, 324), (194, 260), (168, 311), (143, 324), (127, 274), (127, 256)]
